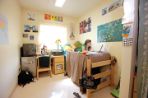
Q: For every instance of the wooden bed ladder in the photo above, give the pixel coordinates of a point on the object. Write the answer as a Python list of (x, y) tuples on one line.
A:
[(107, 73)]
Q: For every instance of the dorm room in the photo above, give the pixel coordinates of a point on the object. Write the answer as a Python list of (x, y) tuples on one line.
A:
[(73, 49)]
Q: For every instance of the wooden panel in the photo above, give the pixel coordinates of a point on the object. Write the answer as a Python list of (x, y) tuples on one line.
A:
[(43, 69), (100, 64), (59, 59), (112, 75), (88, 67), (104, 84), (58, 69), (102, 74), (100, 86)]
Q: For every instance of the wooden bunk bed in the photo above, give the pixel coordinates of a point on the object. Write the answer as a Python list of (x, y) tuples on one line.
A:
[(103, 74), (75, 62)]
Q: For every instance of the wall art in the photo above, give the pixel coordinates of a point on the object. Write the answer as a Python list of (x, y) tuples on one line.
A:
[(85, 26), (110, 32), (113, 6), (53, 18)]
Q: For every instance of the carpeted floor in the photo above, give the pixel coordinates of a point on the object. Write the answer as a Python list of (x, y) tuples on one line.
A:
[(56, 87)]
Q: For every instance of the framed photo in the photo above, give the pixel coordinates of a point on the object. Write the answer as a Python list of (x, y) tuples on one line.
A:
[(31, 37), (27, 28), (25, 35), (34, 28)]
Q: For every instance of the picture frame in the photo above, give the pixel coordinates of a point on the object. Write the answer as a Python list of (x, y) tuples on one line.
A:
[(25, 35), (34, 28), (27, 28), (32, 37)]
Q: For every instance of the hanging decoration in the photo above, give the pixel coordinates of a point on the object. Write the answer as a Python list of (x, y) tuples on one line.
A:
[(53, 18), (31, 16), (72, 36), (25, 35)]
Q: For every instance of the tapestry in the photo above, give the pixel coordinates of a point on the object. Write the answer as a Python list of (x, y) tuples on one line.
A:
[(110, 32)]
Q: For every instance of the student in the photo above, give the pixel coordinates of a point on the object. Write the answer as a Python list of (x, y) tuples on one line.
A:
[(87, 45)]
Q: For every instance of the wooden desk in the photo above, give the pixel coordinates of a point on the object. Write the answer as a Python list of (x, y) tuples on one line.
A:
[(57, 64)]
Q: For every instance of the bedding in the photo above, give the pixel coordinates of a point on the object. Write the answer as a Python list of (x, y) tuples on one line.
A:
[(75, 62)]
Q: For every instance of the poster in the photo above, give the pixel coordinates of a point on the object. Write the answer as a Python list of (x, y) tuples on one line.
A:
[(53, 18), (127, 34), (3, 30), (85, 26), (113, 6), (110, 32)]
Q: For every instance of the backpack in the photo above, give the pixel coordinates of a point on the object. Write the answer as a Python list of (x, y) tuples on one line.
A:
[(25, 77)]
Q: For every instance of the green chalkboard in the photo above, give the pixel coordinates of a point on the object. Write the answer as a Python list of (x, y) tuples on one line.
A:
[(110, 32)]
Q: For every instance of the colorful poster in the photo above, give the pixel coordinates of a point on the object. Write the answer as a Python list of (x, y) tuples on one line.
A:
[(110, 32), (85, 26), (53, 18), (3, 30)]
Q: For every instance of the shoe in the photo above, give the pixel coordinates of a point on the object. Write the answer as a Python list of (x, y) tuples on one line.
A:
[(76, 95)]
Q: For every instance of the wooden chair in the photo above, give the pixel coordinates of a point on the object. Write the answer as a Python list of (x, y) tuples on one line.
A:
[(43, 65)]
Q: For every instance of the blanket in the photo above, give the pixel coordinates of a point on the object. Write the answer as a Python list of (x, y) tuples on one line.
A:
[(76, 61)]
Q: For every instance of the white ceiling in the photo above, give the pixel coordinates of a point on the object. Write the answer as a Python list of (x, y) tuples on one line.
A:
[(73, 8)]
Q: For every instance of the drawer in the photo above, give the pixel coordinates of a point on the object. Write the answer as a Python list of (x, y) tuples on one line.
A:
[(59, 59), (59, 68)]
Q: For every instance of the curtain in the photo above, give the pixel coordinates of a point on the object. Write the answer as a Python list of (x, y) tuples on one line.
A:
[(143, 50)]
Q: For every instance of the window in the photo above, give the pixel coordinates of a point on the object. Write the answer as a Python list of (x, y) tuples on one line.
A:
[(49, 34)]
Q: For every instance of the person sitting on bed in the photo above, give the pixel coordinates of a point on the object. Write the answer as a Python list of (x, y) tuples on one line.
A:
[(87, 45)]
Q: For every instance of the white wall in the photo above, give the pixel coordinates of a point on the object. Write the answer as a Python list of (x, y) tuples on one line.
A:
[(9, 52), (114, 48), (68, 22), (123, 54)]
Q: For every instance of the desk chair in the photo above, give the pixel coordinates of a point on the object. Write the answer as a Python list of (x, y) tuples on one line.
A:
[(44, 64)]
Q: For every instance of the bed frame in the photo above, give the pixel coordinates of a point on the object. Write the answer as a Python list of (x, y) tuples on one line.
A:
[(107, 73)]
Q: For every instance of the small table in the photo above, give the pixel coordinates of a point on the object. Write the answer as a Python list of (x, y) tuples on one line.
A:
[(57, 64)]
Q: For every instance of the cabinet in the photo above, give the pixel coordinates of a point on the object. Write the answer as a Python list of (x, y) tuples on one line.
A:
[(57, 64), (29, 63)]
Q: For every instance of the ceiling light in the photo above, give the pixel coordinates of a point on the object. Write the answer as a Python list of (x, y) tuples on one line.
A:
[(59, 3)]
